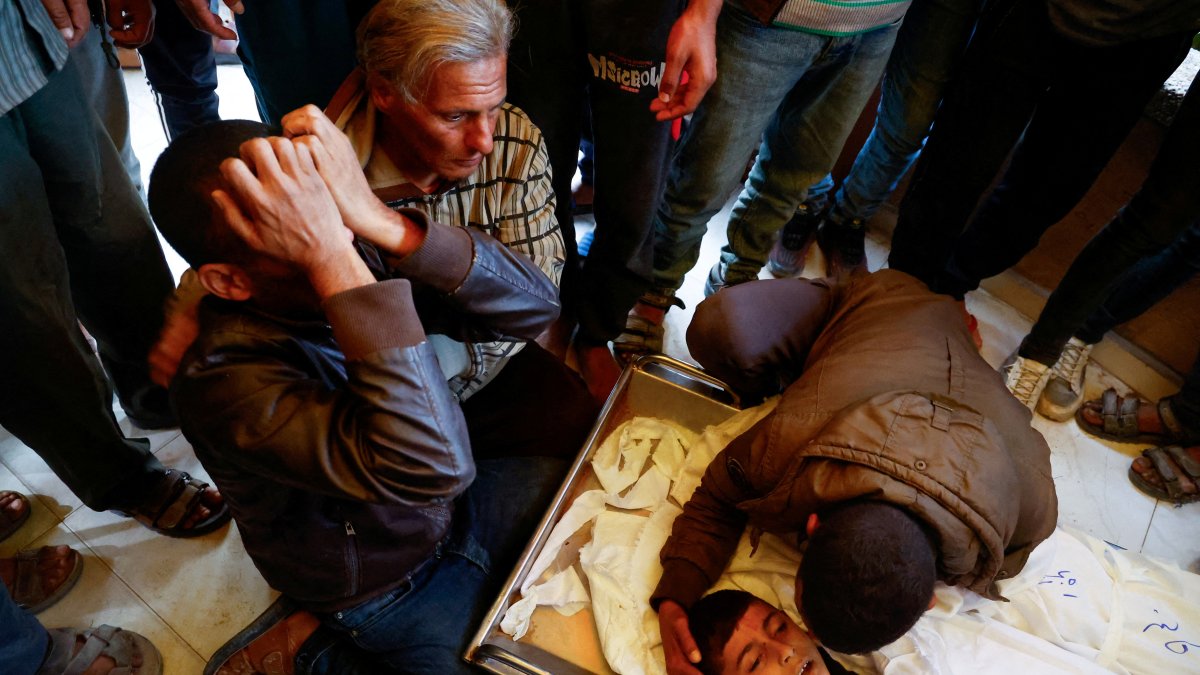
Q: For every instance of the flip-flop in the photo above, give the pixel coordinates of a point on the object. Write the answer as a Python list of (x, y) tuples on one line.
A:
[(28, 590), (12, 526), (1168, 462)]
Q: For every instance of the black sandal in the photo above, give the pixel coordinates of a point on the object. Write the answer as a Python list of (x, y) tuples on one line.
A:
[(171, 501), (1120, 423)]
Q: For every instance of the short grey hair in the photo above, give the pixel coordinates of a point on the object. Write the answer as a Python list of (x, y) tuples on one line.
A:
[(404, 41)]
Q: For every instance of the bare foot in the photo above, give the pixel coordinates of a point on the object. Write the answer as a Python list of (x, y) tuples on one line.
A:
[(599, 369), (210, 502), (1145, 468), (1148, 421), (55, 563)]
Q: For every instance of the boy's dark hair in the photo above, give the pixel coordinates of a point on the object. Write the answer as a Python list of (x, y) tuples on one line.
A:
[(183, 178), (712, 620), (866, 577)]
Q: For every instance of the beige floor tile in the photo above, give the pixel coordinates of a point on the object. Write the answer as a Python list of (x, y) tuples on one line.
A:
[(1175, 535), (205, 588), (52, 495)]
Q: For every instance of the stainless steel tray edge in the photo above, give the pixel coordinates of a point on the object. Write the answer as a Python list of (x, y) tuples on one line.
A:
[(504, 662)]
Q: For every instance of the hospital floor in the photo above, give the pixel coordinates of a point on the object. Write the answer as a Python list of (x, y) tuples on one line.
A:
[(190, 595)]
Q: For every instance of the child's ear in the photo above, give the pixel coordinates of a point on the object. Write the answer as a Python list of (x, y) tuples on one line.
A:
[(226, 281), (932, 602), (812, 524)]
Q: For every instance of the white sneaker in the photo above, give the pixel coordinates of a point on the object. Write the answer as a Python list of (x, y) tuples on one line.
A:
[(1025, 378), (1063, 394)]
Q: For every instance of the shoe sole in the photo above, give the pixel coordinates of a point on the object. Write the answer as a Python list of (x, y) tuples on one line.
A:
[(1057, 413), (278, 611)]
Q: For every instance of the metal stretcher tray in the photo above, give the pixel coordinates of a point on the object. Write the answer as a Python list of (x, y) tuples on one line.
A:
[(655, 386)]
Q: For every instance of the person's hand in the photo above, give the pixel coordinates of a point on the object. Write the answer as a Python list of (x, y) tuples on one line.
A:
[(691, 48), (679, 647), (70, 17), (131, 22), (335, 159), (202, 18), (279, 205)]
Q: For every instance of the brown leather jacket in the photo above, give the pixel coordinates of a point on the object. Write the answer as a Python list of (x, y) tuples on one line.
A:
[(892, 403)]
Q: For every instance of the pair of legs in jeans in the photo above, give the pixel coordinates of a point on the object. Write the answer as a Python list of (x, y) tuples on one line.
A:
[(795, 94), (1073, 103)]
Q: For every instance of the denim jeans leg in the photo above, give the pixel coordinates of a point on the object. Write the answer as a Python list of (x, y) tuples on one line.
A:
[(928, 48), (802, 142), (1165, 206), (423, 627), (757, 66), (22, 639)]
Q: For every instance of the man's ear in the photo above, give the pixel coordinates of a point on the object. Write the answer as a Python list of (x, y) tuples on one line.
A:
[(226, 281), (383, 94), (812, 524)]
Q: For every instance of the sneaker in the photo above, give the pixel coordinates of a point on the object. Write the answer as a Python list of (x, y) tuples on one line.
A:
[(718, 278), (1025, 378), (787, 255), (843, 245), (1064, 391)]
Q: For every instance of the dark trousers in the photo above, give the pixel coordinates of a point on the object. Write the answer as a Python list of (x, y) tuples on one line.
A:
[(526, 426), (296, 53), (572, 53), (77, 242), (1150, 281), (182, 70), (1074, 104), (1159, 215)]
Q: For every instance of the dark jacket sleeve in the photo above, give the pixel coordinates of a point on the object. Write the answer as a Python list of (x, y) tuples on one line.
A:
[(392, 432), (493, 292), (756, 336), (706, 534)]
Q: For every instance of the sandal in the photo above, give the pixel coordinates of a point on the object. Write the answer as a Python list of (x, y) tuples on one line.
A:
[(125, 648), (641, 335), (1176, 467), (29, 589), (170, 503), (268, 645), (7, 526), (1120, 420)]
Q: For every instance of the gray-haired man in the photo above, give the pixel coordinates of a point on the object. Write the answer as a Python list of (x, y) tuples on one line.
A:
[(385, 507)]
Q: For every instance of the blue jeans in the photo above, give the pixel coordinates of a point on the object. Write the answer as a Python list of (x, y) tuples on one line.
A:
[(929, 45), (22, 639), (423, 626), (798, 94)]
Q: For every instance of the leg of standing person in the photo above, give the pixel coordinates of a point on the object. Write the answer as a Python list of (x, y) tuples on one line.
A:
[(928, 49), (1095, 97), (1162, 209), (757, 66), (104, 87), (59, 169), (182, 69), (626, 45), (23, 641), (1002, 78), (800, 145), (297, 53)]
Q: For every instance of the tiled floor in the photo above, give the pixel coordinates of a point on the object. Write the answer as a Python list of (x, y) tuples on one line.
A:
[(189, 596)]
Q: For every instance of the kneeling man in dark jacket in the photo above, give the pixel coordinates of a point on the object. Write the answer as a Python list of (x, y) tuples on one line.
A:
[(313, 398), (896, 452)]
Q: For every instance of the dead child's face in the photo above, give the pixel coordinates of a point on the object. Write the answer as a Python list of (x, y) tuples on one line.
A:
[(766, 641)]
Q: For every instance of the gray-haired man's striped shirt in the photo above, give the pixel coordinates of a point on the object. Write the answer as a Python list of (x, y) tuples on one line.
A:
[(840, 17), (31, 49)]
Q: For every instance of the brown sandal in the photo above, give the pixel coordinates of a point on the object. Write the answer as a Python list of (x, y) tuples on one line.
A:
[(29, 589), (1178, 470), (1119, 417), (268, 645), (8, 527)]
